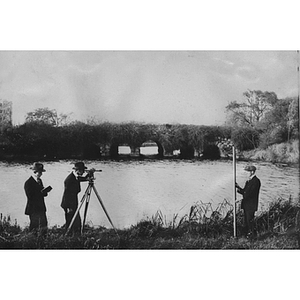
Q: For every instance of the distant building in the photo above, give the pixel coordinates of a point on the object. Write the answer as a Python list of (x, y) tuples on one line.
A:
[(5, 113)]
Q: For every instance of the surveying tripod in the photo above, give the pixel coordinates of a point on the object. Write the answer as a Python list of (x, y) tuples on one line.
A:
[(86, 198)]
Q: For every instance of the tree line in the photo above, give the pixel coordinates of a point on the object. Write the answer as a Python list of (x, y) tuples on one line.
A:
[(80, 139), (260, 120)]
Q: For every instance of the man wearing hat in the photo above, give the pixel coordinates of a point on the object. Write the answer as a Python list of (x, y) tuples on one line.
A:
[(250, 194), (70, 196), (34, 190)]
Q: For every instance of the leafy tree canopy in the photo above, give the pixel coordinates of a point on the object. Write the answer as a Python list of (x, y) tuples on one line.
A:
[(47, 116)]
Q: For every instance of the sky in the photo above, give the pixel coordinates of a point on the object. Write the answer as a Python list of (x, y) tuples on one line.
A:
[(187, 87)]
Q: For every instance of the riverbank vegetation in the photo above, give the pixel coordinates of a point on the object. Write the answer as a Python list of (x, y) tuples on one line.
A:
[(283, 153), (278, 227), (261, 123), (266, 128), (39, 140)]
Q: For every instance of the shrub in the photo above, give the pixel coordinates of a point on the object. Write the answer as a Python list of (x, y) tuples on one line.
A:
[(278, 153), (245, 138)]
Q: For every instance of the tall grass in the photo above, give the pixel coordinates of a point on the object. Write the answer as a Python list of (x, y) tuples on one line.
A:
[(278, 227), (280, 217)]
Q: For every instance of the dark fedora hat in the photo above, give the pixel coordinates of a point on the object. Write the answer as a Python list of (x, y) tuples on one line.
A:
[(79, 166), (250, 168), (38, 167)]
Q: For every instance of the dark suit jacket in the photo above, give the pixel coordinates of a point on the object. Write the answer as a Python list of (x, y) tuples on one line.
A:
[(35, 198), (71, 191), (250, 194)]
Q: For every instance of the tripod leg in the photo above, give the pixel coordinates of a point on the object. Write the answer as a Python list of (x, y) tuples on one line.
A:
[(88, 196), (84, 197), (99, 198)]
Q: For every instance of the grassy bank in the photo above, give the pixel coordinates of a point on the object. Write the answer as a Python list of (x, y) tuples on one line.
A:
[(287, 153), (202, 228)]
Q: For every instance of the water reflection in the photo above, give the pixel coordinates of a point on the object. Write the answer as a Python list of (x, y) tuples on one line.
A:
[(149, 150), (124, 150)]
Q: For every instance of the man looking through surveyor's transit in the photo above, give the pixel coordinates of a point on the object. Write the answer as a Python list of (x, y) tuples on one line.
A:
[(70, 197), (249, 204)]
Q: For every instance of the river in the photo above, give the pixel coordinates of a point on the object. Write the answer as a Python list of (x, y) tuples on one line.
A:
[(132, 190)]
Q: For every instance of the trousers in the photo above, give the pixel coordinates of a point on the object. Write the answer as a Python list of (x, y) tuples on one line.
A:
[(38, 220), (249, 221), (76, 227)]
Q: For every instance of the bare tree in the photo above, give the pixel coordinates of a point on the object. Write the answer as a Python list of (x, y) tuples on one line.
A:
[(253, 109)]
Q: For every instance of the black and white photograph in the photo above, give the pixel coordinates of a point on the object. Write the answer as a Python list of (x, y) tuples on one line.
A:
[(133, 155), (149, 149)]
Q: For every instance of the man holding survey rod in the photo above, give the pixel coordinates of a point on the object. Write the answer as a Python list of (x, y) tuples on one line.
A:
[(249, 204)]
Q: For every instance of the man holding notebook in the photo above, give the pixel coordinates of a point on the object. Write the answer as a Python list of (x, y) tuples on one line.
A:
[(35, 192)]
